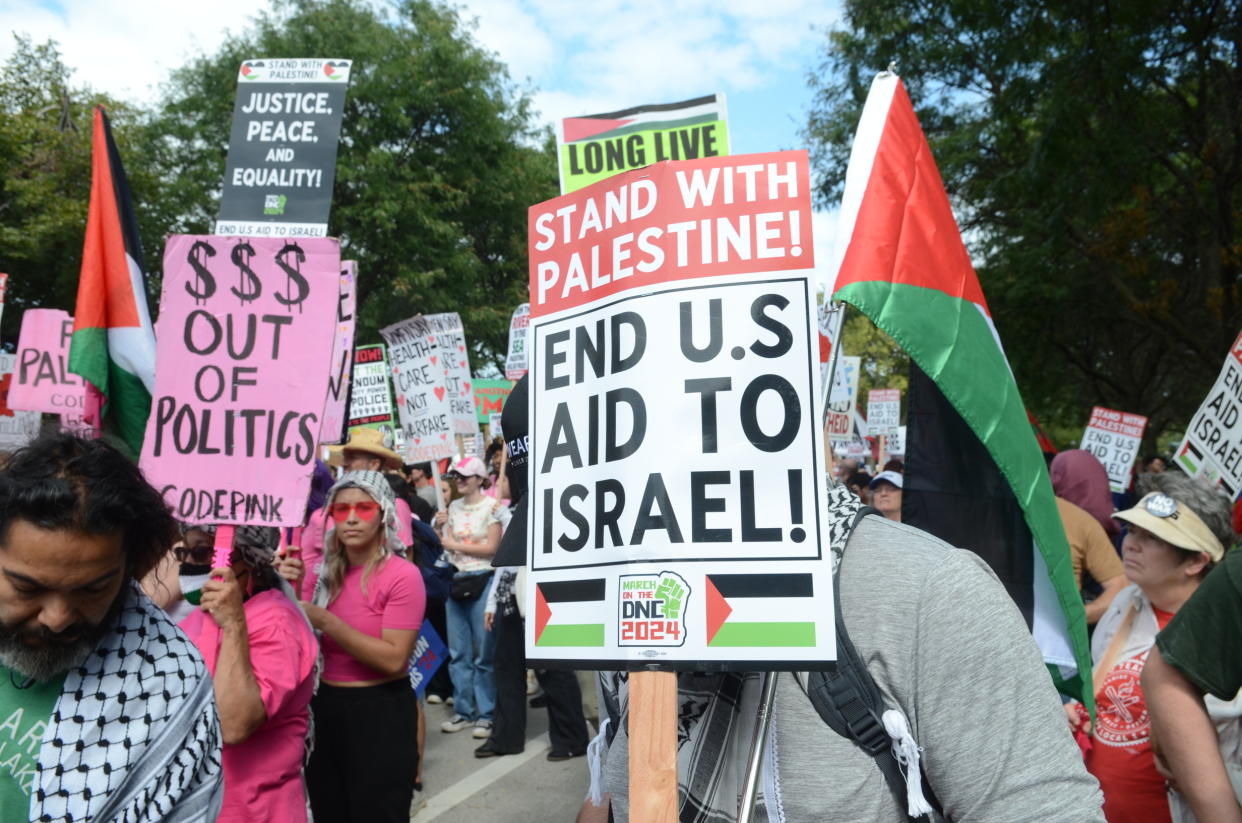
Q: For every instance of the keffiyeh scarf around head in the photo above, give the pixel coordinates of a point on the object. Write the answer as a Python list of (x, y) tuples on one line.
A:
[(375, 485), (134, 736), (716, 712)]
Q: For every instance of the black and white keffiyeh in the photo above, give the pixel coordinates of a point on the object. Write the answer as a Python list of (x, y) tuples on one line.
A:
[(134, 737), (712, 740)]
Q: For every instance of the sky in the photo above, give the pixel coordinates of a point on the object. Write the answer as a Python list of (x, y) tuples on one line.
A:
[(621, 53)]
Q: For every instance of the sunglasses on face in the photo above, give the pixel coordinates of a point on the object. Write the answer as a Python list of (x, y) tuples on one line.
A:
[(200, 556), (366, 510)]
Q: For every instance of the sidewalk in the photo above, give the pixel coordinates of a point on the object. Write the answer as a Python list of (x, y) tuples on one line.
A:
[(461, 788)]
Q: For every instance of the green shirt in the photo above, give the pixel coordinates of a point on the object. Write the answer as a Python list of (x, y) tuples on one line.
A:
[(24, 716), (1204, 639)]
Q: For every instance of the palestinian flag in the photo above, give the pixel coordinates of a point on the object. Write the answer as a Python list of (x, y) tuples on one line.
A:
[(567, 613), (901, 261), (113, 344), (740, 607)]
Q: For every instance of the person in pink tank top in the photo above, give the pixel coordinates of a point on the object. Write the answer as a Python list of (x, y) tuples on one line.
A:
[(368, 605)]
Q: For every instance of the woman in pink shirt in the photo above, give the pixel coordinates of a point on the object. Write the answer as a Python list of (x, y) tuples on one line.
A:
[(368, 604), (261, 653)]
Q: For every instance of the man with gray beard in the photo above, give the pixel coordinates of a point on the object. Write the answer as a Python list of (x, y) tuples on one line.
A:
[(106, 709)]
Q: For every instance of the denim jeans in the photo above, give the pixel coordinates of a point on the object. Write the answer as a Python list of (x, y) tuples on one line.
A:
[(471, 648)]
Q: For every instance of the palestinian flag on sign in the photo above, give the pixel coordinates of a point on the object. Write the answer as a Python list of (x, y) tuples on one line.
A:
[(567, 613), (975, 475), (739, 609), (113, 344)]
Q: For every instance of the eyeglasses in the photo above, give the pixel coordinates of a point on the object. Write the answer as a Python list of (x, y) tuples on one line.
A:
[(366, 510)]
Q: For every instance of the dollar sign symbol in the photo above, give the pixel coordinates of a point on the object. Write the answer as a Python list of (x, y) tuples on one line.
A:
[(204, 284), (293, 276), (249, 286)]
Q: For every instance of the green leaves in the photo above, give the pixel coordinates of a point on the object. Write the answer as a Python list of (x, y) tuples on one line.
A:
[(1093, 153)]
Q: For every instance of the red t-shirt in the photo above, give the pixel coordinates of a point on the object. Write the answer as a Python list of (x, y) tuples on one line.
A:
[(1121, 759)]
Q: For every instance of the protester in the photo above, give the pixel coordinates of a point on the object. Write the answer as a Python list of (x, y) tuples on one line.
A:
[(110, 710), (1175, 535), (886, 494), (366, 450), (944, 642), (368, 605), (262, 654), (419, 476), (895, 464), (1079, 477), (470, 531), (174, 585), (1091, 551), (1154, 464), (860, 484), (1192, 681), (505, 618)]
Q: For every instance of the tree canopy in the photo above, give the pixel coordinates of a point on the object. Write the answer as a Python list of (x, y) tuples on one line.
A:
[(1093, 152), (439, 159)]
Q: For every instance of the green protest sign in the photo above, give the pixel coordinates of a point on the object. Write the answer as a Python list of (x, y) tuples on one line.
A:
[(597, 146)]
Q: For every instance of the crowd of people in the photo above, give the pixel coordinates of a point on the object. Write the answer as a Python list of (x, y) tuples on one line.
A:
[(143, 681)]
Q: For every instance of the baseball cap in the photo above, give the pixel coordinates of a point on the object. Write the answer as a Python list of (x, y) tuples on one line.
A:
[(470, 467), (1175, 523), (886, 477)]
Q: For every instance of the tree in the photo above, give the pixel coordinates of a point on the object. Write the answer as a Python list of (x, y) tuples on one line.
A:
[(45, 178), (1093, 151), (438, 162)]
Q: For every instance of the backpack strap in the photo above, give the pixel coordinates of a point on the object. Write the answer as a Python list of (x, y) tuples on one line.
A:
[(852, 705)]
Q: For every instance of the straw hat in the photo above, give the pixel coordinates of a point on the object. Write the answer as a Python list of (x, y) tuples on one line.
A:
[(371, 441)]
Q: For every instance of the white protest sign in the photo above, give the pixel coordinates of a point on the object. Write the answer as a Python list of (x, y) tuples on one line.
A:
[(839, 421), (370, 396), (422, 399), (856, 449), (896, 443), (1114, 437), (1212, 447), (883, 411), (515, 360), (676, 482), (451, 339), (493, 424), (17, 428)]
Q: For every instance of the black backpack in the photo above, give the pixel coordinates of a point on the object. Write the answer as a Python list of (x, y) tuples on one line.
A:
[(849, 701)]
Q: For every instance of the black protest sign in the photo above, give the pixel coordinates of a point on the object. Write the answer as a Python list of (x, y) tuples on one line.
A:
[(282, 149)]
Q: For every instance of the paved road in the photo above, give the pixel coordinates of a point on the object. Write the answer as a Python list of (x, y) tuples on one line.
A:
[(462, 788)]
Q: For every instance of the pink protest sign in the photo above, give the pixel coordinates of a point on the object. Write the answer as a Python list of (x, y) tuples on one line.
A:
[(242, 367), (333, 428), (42, 381)]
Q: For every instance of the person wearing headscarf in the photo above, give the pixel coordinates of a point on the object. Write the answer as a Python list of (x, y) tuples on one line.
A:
[(262, 655), (368, 605), (1079, 477)]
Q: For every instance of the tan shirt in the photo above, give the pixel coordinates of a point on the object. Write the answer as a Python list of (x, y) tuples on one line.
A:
[(1089, 544)]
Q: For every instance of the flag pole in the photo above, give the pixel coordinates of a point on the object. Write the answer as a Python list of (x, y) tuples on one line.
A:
[(758, 741)]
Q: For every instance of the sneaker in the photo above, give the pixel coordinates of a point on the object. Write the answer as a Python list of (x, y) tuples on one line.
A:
[(449, 700), (557, 756), (482, 729), (434, 699), (454, 724), (532, 683)]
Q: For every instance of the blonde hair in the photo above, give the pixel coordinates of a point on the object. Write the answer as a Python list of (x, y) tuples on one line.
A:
[(335, 562)]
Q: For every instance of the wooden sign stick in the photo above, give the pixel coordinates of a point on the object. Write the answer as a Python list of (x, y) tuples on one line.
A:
[(653, 747)]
